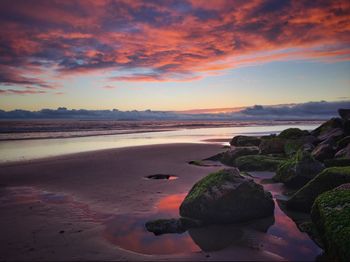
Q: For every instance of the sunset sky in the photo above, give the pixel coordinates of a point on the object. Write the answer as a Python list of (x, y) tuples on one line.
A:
[(172, 55)]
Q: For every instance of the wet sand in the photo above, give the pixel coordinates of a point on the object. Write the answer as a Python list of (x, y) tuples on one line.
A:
[(92, 206)]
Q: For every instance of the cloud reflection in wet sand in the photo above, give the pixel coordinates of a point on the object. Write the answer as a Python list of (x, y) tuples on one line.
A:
[(278, 235)]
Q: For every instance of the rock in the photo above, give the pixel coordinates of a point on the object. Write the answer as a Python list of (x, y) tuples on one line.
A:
[(293, 133), (273, 145), (344, 113), (163, 226), (343, 187), (343, 142), (258, 163), (344, 153), (229, 156), (328, 125), (216, 157), (297, 171), (328, 179), (227, 197), (323, 151), (245, 141), (291, 146), (331, 215), (172, 225), (337, 162), (335, 133)]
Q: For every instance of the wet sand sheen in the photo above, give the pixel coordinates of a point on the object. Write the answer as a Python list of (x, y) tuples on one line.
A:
[(106, 193)]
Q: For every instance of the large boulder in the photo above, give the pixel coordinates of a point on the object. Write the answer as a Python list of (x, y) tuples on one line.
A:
[(344, 113), (334, 133), (328, 179), (323, 151), (293, 133), (343, 142), (344, 153), (292, 146), (327, 126), (229, 156), (245, 141), (272, 145), (331, 215), (227, 197), (297, 171), (258, 163)]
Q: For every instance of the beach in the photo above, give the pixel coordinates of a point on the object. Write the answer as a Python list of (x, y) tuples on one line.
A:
[(93, 205)]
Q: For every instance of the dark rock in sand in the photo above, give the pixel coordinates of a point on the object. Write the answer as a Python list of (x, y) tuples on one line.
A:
[(227, 197), (293, 133), (216, 157), (323, 151), (258, 163), (172, 225), (272, 145), (245, 141), (229, 156), (344, 113), (344, 153), (297, 171), (163, 226), (328, 179), (331, 215)]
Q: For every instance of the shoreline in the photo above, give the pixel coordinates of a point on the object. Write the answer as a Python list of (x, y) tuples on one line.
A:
[(77, 206)]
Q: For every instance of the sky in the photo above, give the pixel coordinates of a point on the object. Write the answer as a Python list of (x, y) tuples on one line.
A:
[(172, 55)]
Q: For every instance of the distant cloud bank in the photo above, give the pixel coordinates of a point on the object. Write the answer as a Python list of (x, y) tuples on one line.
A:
[(301, 111)]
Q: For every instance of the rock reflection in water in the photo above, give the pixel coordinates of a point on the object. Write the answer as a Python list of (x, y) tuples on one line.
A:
[(217, 237)]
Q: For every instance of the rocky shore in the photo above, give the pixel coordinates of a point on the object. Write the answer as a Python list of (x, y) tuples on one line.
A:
[(314, 165)]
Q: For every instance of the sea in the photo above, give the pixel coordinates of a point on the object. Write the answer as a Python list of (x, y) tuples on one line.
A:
[(32, 139)]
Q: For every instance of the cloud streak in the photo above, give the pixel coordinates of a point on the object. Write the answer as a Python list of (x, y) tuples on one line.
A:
[(303, 111), (170, 40)]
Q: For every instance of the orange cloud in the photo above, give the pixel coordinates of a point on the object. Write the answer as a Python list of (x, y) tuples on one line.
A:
[(168, 41)]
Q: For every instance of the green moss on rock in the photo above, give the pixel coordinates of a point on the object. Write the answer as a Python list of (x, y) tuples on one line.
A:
[(293, 133), (219, 198), (258, 163), (298, 170), (245, 141), (335, 122), (328, 179), (331, 215)]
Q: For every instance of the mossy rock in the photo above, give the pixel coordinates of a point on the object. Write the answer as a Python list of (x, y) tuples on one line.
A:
[(335, 122), (292, 146), (228, 158), (272, 145), (343, 142), (298, 170), (328, 179), (293, 133), (226, 197), (245, 141), (331, 215), (337, 162), (258, 163)]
